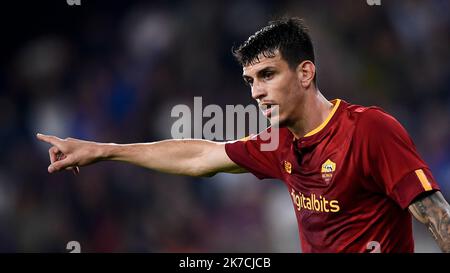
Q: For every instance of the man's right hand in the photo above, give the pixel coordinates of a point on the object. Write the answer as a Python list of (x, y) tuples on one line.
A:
[(69, 153), (193, 157)]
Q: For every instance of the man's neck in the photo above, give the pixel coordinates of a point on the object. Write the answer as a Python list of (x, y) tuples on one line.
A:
[(312, 113)]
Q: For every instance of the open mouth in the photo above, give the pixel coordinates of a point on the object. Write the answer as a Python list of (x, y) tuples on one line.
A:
[(268, 112), (268, 109)]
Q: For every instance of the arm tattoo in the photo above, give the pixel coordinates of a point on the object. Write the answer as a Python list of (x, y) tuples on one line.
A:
[(434, 211)]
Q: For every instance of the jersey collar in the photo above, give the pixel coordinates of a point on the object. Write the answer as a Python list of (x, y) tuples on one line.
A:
[(316, 130), (320, 131)]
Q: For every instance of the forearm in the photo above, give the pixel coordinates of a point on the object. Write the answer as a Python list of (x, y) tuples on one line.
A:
[(185, 157), (434, 211), (194, 157)]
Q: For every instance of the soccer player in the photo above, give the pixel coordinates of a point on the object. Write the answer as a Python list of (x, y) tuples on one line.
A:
[(353, 172)]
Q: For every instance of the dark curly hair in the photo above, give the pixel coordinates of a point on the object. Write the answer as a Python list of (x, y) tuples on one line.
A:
[(287, 35)]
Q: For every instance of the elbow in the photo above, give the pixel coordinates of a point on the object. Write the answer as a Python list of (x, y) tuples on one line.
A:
[(201, 167), (202, 171), (207, 174)]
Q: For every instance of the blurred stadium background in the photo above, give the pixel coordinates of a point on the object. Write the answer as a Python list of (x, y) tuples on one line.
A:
[(111, 71)]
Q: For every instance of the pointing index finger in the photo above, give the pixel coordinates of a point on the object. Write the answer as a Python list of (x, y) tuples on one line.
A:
[(49, 139)]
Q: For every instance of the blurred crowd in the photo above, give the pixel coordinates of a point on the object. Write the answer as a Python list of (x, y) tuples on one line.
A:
[(111, 72)]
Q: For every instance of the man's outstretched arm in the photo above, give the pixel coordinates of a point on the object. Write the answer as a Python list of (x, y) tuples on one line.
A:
[(185, 157), (434, 211)]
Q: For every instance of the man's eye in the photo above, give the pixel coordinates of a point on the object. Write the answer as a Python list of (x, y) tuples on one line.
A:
[(268, 75)]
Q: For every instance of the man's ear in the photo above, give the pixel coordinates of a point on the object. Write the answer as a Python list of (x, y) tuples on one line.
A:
[(306, 71)]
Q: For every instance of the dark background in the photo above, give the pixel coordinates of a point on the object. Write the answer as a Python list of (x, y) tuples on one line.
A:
[(111, 71)]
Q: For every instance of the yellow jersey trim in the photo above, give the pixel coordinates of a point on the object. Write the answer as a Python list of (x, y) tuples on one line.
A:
[(423, 180), (325, 122)]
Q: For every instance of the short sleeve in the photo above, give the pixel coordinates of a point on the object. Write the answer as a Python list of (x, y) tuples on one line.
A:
[(247, 153), (390, 157)]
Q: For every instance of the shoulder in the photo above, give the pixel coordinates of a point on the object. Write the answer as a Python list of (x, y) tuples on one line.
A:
[(367, 113), (269, 135), (373, 119), (283, 133), (375, 125)]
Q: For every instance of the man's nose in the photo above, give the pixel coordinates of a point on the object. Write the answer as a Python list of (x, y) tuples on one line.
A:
[(258, 92)]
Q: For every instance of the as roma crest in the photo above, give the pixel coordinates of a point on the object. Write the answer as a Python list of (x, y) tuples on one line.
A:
[(328, 169), (288, 167)]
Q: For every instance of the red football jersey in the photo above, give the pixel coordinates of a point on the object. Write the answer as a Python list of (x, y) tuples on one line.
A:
[(351, 179)]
